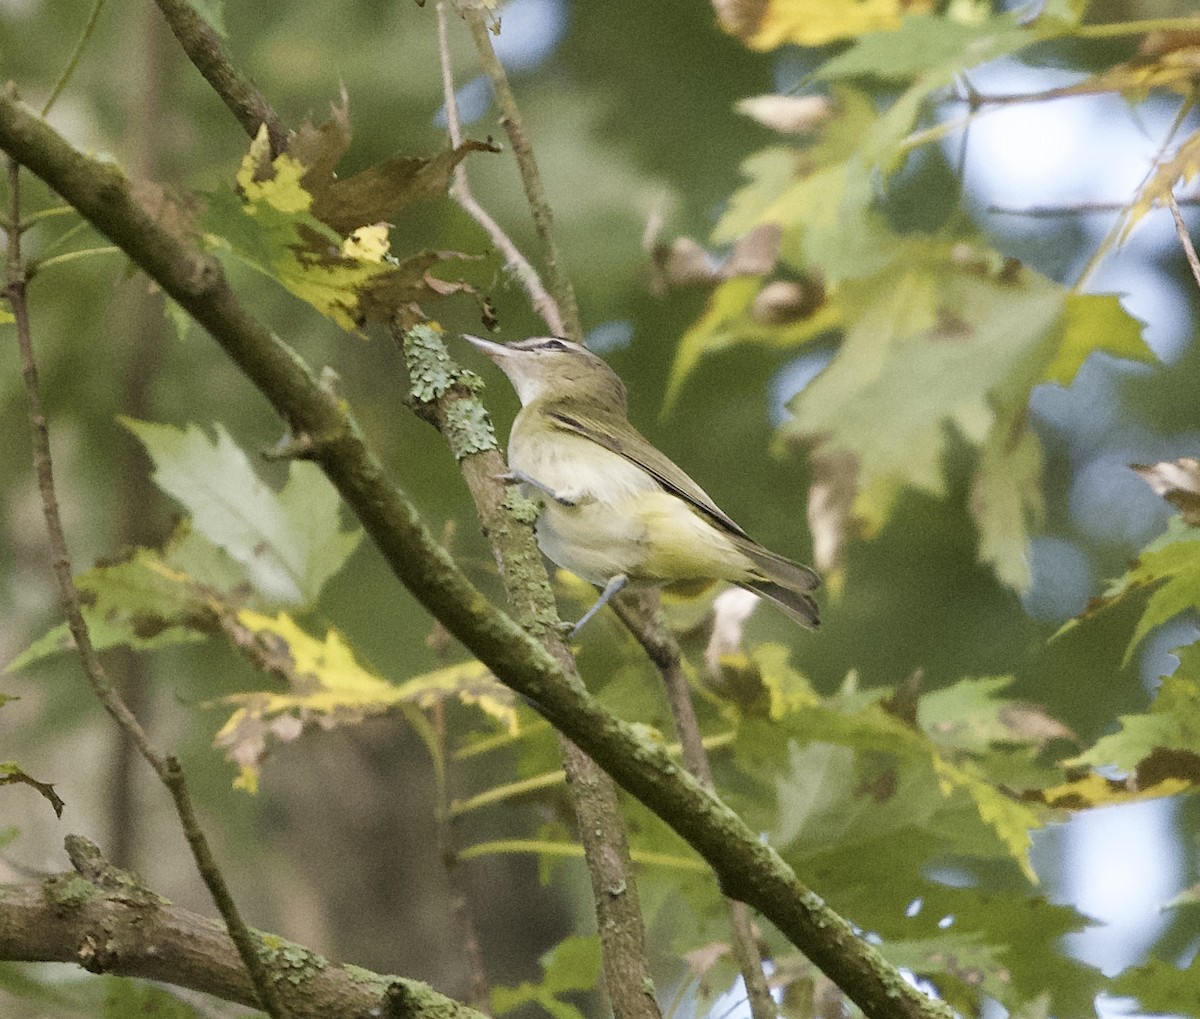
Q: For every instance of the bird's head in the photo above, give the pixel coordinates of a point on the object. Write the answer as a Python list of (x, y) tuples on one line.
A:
[(551, 368)]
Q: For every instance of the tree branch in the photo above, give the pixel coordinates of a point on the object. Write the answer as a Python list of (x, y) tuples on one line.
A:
[(642, 618), (206, 51), (460, 191), (514, 126), (104, 920), (1181, 231), (747, 869)]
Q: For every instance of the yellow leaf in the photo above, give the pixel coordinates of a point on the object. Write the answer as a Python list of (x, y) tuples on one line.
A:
[(326, 683), (369, 243), (282, 190), (1094, 790), (1183, 167), (817, 22), (1008, 817)]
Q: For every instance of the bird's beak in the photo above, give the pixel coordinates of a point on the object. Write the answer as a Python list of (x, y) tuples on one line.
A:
[(495, 351)]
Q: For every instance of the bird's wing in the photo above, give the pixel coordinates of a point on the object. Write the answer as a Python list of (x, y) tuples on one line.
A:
[(636, 448)]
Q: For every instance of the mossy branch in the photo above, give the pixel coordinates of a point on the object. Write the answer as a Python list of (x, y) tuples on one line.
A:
[(105, 920)]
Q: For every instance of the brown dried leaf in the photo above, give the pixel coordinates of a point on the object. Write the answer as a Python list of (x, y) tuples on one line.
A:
[(755, 253), (1177, 481), (787, 114), (381, 192)]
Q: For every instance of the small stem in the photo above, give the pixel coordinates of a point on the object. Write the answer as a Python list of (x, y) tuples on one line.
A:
[(642, 618), (167, 768), (1119, 28), (1181, 229), (480, 992), (531, 178), (460, 191), (72, 256), (1122, 222), (69, 70)]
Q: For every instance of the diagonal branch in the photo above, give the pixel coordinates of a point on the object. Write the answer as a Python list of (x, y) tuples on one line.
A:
[(206, 51), (747, 868)]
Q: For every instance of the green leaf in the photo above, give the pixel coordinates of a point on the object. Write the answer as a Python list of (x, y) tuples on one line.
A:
[(1088, 317), (573, 965), (1162, 988), (145, 602), (940, 350), (289, 543), (969, 716), (1164, 742), (934, 48)]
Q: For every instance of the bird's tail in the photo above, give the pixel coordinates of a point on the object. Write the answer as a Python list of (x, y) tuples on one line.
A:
[(787, 584)]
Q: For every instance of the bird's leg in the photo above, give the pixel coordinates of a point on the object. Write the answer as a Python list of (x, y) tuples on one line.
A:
[(559, 497), (611, 588)]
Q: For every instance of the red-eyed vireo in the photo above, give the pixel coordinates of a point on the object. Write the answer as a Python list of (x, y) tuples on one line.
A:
[(615, 509)]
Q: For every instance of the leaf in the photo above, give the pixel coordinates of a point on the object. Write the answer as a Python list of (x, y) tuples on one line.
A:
[(847, 762), (1171, 565), (1183, 167), (816, 22), (932, 47), (327, 685), (937, 351), (969, 716), (11, 774), (1163, 743), (289, 542), (573, 965), (1177, 481), (294, 220), (1161, 988), (146, 601), (1007, 502)]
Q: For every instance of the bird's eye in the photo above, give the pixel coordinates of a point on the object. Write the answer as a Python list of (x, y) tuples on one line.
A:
[(554, 344)]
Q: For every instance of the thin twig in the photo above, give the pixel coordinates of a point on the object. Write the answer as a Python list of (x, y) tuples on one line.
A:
[(460, 904), (531, 178), (460, 191), (1184, 239), (643, 619), (69, 70), (1115, 230), (1073, 208), (166, 767)]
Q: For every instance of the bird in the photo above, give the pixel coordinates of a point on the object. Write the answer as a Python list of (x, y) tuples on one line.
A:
[(615, 510)]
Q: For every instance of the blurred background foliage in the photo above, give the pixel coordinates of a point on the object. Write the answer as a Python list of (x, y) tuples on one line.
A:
[(632, 109)]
